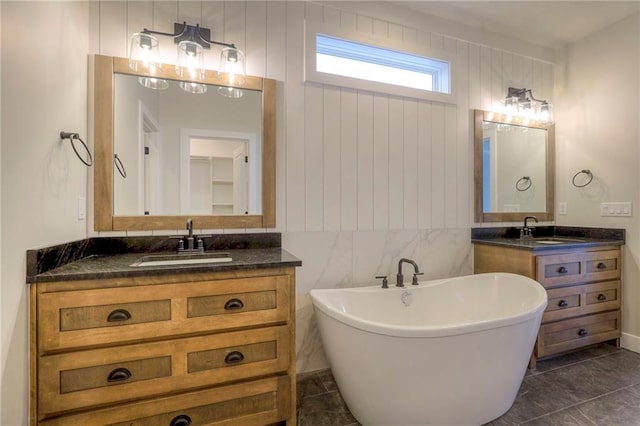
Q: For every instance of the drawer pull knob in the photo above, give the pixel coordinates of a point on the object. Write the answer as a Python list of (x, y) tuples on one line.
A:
[(563, 303), (234, 357), (233, 304), (601, 296), (582, 332), (118, 375), (181, 420), (119, 315), (562, 270), (602, 265)]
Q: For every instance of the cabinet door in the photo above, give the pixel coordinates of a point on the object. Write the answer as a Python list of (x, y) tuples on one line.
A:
[(99, 317), (572, 268), (572, 301), (84, 379), (574, 333), (259, 402)]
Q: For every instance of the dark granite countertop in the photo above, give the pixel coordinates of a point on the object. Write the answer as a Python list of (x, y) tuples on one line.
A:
[(564, 237), (97, 258)]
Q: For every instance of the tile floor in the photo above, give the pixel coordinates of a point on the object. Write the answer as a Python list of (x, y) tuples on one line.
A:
[(598, 386)]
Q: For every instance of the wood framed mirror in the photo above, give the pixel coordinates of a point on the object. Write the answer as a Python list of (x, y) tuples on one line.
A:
[(514, 168), (128, 204)]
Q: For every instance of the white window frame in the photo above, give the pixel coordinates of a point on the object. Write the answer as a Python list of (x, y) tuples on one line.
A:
[(312, 29)]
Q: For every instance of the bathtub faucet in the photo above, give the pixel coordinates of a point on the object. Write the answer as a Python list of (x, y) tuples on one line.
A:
[(416, 272)]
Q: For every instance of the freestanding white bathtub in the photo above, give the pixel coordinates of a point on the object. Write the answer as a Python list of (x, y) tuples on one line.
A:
[(445, 352)]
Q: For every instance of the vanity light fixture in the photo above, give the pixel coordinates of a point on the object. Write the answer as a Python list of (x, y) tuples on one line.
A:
[(191, 41), (521, 102)]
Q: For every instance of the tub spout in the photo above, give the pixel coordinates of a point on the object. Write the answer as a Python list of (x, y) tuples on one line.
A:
[(400, 277)]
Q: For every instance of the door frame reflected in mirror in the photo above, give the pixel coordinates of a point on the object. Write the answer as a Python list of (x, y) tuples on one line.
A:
[(481, 216), (104, 68)]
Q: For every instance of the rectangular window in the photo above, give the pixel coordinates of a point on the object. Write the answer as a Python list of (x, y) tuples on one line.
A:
[(357, 60), (351, 59)]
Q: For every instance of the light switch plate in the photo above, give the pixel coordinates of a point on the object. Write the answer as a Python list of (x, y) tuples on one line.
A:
[(622, 209), (562, 208), (82, 208)]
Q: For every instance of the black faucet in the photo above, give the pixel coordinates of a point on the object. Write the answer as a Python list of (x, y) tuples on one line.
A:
[(190, 243), (416, 272), (525, 232)]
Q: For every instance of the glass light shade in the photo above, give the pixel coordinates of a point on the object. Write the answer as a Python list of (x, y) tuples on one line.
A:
[(524, 108), (546, 113), (197, 88), (230, 92), (153, 83), (232, 64), (190, 63), (144, 53), (511, 105)]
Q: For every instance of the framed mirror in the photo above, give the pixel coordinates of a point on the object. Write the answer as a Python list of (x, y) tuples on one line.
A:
[(165, 156), (513, 168)]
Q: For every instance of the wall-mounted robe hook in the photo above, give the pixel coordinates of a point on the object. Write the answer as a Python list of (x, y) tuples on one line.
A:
[(523, 183), (75, 136), (585, 171)]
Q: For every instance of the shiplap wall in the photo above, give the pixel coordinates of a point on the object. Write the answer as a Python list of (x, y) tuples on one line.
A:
[(347, 159)]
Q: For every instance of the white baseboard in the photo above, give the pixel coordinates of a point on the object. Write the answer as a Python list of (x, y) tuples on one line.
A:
[(630, 342)]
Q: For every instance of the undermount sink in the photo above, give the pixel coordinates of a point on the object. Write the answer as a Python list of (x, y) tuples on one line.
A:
[(554, 240), (181, 259)]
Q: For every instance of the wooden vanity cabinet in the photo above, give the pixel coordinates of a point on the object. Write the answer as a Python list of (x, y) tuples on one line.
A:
[(179, 349), (583, 288)]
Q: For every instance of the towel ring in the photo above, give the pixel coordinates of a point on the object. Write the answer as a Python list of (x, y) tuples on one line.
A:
[(526, 180), (585, 171), (119, 166), (76, 136)]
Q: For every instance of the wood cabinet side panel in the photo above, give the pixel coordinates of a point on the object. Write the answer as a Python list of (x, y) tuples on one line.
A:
[(487, 258)]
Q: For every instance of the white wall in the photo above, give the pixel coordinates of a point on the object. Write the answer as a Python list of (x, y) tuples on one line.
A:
[(44, 90), (597, 103), (362, 179)]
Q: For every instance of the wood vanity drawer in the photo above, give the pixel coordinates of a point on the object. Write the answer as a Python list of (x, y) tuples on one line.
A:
[(567, 302), (75, 380), (573, 333), (86, 317), (106, 316), (258, 402), (572, 268)]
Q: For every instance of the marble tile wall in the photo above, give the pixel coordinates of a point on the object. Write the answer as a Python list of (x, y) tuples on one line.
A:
[(353, 259)]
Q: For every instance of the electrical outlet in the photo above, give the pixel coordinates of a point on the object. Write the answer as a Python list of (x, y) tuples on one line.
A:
[(82, 208), (616, 209), (562, 208)]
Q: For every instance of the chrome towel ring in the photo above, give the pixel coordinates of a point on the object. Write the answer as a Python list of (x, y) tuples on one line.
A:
[(523, 183), (75, 136), (585, 171)]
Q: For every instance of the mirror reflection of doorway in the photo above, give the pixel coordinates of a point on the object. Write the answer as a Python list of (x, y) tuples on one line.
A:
[(218, 176), (219, 173)]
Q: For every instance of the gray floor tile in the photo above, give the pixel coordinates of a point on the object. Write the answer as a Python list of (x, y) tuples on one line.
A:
[(617, 408), (599, 386)]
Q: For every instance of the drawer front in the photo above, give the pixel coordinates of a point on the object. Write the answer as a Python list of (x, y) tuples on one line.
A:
[(83, 379), (566, 269), (568, 302), (569, 334), (87, 317), (100, 317), (260, 402)]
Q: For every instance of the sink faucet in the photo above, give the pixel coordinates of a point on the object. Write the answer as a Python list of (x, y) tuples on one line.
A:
[(416, 272), (525, 232), (190, 243), (190, 240)]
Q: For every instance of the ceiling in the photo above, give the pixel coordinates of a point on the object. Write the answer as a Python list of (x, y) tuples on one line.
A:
[(552, 24)]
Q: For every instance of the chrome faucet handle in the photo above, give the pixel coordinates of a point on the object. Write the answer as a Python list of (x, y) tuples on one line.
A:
[(385, 281), (414, 281)]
